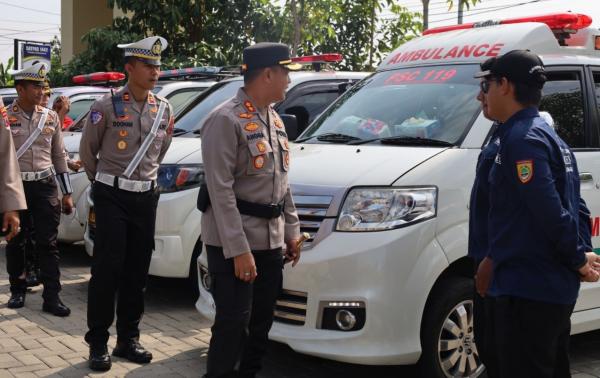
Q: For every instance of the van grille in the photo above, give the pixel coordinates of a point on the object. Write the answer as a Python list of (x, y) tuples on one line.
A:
[(311, 211), (290, 307)]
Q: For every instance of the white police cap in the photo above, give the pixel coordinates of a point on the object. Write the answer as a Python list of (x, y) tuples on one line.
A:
[(147, 50), (36, 72)]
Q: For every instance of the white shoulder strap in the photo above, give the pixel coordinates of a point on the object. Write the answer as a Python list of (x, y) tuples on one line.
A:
[(25, 146)]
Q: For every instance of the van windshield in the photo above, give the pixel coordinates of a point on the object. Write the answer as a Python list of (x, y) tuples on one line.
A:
[(437, 102)]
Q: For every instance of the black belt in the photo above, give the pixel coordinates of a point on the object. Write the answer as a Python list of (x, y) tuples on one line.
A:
[(260, 210)]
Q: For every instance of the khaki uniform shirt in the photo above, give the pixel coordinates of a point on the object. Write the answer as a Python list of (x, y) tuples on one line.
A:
[(246, 156), (12, 196), (48, 149), (108, 143)]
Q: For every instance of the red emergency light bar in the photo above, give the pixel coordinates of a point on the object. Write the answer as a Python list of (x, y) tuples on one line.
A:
[(557, 21), (99, 77), (316, 59)]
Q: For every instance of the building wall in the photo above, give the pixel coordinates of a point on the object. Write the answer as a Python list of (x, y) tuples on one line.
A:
[(77, 18)]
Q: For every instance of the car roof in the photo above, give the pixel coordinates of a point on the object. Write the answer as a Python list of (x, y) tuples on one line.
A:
[(80, 89), (167, 86), (298, 77)]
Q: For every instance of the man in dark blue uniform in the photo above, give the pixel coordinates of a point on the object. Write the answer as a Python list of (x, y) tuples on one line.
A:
[(535, 251)]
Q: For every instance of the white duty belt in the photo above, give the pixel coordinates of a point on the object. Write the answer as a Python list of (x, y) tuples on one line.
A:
[(25, 146), (146, 143), (124, 184), (39, 175)]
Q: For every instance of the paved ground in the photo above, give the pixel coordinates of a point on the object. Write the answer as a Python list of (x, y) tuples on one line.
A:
[(35, 344)]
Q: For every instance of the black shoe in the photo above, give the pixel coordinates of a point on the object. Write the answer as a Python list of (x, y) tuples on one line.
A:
[(133, 351), (99, 358), (56, 308), (32, 279), (17, 300)]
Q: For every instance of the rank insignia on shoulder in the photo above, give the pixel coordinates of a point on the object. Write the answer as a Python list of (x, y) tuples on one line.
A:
[(251, 126), (121, 145), (151, 99), (246, 115), (525, 170), (259, 162), (277, 123), (96, 117), (249, 106), (126, 96)]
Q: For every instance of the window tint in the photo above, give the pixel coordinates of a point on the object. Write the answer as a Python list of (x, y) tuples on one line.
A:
[(309, 105), (181, 98), (80, 106), (562, 98)]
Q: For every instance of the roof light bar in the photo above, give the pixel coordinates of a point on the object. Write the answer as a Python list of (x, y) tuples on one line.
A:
[(190, 71), (99, 77), (557, 21), (318, 59)]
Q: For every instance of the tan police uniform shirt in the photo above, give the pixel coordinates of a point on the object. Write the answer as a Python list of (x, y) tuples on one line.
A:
[(108, 143), (248, 159), (48, 149), (12, 196)]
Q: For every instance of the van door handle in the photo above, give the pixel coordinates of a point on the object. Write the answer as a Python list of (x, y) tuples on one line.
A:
[(585, 176)]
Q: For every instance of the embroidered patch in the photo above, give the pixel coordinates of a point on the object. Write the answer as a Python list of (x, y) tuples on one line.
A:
[(154, 109), (250, 137), (121, 145), (277, 123), (251, 126), (96, 117), (246, 115), (13, 119), (261, 146), (47, 130), (249, 106), (126, 96), (123, 133), (525, 170), (259, 162), (15, 108), (286, 159), (151, 99)]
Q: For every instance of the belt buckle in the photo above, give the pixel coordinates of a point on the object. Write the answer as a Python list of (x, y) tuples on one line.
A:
[(137, 186), (30, 176)]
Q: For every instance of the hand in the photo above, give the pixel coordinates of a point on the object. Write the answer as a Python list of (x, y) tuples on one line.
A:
[(485, 271), (294, 249), (589, 272), (63, 105), (594, 260), (11, 220), (67, 204), (245, 267), (74, 165)]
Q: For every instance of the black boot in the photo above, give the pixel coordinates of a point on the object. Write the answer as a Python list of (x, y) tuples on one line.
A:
[(17, 300), (56, 308), (133, 351), (99, 358)]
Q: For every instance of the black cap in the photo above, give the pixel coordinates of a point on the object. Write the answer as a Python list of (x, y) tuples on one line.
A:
[(518, 66), (268, 54)]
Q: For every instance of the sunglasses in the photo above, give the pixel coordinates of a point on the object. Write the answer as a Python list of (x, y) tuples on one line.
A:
[(484, 86)]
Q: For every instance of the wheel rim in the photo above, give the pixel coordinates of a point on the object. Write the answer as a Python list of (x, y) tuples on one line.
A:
[(457, 352)]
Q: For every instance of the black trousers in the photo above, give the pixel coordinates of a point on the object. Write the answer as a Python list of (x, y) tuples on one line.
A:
[(43, 216), (483, 324), (532, 338), (244, 313), (125, 223)]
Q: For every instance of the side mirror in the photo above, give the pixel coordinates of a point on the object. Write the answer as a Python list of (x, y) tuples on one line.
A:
[(291, 125)]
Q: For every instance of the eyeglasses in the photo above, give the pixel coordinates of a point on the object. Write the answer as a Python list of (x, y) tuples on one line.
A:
[(484, 85)]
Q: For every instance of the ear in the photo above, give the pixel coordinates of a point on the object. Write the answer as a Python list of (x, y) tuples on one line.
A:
[(268, 74), (506, 87)]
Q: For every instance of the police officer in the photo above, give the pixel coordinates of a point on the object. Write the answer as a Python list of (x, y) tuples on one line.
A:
[(535, 257), (125, 138), (40, 150), (12, 195), (251, 215)]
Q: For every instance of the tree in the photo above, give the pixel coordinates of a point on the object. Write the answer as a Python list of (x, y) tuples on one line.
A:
[(6, 80), (450, 3)]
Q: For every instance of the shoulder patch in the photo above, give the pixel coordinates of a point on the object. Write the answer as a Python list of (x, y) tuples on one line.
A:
[(246, 115), (525, 170), (251, 126), (96, 117), (249, 107)]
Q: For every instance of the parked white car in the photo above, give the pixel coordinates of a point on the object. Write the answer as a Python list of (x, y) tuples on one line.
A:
[(177, 238), (382, 182)]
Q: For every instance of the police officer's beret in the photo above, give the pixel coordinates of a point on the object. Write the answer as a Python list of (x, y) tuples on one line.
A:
[(147, 50), (268, 54), (520, 66), (35, 73)]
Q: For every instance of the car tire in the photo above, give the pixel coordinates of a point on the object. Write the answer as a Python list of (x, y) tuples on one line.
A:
[(193, 274), (448, 346)]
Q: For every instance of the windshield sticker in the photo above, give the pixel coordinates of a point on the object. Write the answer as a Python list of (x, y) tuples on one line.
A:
[(442, 53), (420, 76)]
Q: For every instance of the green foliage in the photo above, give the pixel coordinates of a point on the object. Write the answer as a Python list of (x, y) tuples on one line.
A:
[(6, 80)]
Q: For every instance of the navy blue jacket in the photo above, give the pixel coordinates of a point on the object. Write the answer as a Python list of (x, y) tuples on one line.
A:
[(534, 213), (479, 206)]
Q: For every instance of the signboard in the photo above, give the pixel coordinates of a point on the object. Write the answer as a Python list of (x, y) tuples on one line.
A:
[(28, 53)]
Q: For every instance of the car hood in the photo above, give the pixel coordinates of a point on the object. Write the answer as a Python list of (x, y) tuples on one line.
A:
[(347, 166)]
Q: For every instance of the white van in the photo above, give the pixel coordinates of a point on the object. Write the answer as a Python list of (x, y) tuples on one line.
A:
[(382, 181)]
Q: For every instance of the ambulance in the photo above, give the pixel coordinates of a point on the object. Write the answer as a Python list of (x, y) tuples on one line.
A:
[(382, 181)]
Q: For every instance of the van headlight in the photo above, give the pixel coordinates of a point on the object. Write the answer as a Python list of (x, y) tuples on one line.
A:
[(378, 209), (176, 177)]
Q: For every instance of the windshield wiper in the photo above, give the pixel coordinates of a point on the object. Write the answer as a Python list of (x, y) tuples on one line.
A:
[(177, 131), (330, 137), (400, 140)]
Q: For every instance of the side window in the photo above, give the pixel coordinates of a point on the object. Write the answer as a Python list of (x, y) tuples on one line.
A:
[(562, 98), (79, 107), (309, 104), (180, 98)]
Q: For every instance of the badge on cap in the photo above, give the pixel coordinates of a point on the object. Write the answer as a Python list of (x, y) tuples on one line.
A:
[(96, 117), (525, 170), (121, 145), (251, 126), (157, 47), (259, 162)]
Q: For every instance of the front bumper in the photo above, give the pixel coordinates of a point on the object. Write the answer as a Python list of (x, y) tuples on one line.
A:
[(391, 272)]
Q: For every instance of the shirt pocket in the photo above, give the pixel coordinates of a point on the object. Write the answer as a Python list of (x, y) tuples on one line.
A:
[(284, 149), (260, 158)]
